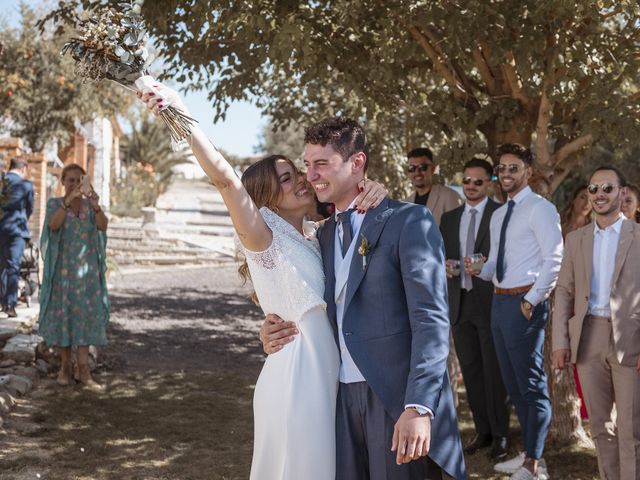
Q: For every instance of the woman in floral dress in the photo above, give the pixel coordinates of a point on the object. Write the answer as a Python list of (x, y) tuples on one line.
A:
[(74, 304)]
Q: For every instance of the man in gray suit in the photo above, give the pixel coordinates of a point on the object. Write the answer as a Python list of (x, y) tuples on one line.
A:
[(465, 231), (386, 296)]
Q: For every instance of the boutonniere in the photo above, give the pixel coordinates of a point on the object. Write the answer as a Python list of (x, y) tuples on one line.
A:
[(364, 250)]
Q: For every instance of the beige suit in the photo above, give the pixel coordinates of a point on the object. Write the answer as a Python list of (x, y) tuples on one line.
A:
[(441, 199), (604, 350)]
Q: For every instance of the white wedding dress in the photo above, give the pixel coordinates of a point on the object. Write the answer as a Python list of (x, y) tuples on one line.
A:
[(295, 397)]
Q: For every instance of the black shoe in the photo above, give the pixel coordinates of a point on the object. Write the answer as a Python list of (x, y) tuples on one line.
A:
[(11, 312), (481, 440), (499, 449)]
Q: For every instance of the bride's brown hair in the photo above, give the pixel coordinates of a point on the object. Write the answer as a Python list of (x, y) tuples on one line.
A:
[(262, 182)]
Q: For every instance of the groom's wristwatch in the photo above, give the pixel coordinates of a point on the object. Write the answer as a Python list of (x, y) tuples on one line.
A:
[(422, 411)]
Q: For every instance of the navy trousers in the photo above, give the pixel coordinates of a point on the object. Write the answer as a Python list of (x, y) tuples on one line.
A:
[(11, 249), (519, 345)]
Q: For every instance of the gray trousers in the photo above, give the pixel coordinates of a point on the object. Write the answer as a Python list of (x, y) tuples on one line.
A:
[(364, 431)]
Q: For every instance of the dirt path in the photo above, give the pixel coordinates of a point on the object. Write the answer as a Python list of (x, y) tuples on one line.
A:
[(180, 369)]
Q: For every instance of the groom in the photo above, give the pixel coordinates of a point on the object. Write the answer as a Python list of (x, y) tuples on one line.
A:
[(386, 297)]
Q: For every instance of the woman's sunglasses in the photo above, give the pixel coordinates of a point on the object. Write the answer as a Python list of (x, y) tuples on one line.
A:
[(478, 182), (423, 167), (605, 187)]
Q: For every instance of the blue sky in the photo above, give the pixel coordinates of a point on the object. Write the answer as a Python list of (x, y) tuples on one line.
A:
[(239, 132)]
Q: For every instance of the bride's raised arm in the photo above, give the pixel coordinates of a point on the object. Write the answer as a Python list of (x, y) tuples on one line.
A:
[(247, 220)]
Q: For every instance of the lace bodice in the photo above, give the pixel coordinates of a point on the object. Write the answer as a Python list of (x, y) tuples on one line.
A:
[(288, 276)]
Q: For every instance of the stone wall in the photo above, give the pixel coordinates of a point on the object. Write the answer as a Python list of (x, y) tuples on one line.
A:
[(38, 175)]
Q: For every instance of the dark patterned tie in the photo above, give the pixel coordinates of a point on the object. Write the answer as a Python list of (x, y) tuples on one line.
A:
[(503, 237), (347, 233)]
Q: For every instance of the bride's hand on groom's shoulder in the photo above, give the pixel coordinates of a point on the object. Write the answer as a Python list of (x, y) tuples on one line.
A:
[(371, 194), (275, 333)]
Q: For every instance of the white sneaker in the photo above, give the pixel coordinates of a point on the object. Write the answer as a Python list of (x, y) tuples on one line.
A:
[(523, 474), (543, 474), (510, 466)]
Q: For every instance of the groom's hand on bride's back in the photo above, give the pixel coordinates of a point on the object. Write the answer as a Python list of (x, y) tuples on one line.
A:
[(275, 333)]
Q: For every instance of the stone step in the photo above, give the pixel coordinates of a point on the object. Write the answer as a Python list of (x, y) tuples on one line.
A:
[(199, 230), (216, 243), (168, 259), (175, 218), (15, 384), (143, 249), (146, 242), (210, 211), (124, 236), (222, 222), (21, 348)]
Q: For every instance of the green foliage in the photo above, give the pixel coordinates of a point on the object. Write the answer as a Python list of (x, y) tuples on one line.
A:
[(149, 146), (461, 77), (149, 159), (40, 98), (284, 140), (136, 189)]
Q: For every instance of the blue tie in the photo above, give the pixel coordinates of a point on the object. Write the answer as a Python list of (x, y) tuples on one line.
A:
[(503, 238)]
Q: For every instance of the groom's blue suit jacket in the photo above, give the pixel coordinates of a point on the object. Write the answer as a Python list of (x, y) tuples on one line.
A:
[(396, 323)]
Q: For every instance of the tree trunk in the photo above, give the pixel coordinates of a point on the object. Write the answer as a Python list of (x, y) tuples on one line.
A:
[(455, 372), (520, 131), (566, 424)]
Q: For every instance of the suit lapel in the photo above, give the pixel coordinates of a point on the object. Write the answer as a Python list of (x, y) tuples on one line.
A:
[(624, 244), (326, 237), (587, 252), (371, 229), (454, 235), (432, 201)]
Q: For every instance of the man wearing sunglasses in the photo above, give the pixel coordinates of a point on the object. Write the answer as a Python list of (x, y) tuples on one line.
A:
[(465, 231), (437, 198), (524, 261), (596, 324)]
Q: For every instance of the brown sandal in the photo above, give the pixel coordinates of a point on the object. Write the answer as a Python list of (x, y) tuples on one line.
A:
[(84, 376), (65, 376)]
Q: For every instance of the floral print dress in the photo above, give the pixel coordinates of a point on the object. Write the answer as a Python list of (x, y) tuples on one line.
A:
[(74, 305)]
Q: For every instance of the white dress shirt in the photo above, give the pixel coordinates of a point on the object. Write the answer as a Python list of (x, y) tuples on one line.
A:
[(533, 246), (605, 246), (464, 227)]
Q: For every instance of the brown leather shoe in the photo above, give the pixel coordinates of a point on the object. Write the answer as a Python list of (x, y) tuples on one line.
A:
[(11, 312)]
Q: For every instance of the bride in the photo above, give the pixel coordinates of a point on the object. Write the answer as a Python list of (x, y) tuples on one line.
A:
[(295, 394)]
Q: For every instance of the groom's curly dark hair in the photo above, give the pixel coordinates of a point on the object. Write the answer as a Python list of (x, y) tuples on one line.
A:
[(345, 135)]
